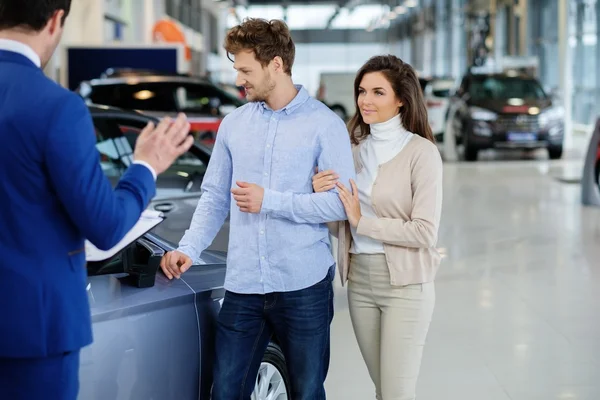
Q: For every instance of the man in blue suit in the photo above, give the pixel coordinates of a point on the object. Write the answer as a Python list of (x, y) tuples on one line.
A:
[(54, 195)]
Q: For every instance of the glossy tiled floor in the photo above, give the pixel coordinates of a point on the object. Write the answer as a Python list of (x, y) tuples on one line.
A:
[(518, 293)]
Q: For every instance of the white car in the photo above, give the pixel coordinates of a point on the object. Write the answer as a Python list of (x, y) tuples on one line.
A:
[(437, 93)]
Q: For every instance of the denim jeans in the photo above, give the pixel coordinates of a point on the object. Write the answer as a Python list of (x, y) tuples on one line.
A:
[(299, 321)]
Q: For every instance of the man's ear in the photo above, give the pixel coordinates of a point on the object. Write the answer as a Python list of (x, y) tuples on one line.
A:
[(277, 64), (56, 21)]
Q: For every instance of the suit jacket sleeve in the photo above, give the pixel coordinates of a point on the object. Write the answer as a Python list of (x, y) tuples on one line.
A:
[(102, 215)]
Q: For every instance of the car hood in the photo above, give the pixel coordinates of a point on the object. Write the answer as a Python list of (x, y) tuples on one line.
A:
[(503, 106)]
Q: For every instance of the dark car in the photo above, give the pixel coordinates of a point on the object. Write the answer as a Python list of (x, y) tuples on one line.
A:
[(162, 95), (506, 110), (154, 337), (178, 188)]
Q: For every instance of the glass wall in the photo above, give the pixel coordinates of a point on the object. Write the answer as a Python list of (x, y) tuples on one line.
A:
[(583, 35), (584, 42)]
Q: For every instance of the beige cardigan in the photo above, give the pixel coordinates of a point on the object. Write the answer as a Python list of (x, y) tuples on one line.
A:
[(407, 198)]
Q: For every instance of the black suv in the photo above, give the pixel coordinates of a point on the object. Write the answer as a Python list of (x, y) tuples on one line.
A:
[(505, 110)]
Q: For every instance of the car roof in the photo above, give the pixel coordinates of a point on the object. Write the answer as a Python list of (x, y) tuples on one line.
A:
[(97, 110), (132, 80), (516, 74), (109, 111)]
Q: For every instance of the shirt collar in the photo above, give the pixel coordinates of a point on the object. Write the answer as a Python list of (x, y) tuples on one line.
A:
[(300, 99), (21, 48)]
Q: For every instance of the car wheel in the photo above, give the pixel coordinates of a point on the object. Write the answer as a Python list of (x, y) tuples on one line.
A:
[(339, 111), (555, 152), (470, 153), (272, 382)]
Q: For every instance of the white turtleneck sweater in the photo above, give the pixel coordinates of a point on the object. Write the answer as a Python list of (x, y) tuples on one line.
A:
[(384, 143)]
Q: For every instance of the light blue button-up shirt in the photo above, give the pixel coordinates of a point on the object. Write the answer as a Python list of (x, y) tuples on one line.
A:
[(286, 246)]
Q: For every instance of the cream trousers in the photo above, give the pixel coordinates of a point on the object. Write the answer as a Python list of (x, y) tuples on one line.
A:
[(390, 323)]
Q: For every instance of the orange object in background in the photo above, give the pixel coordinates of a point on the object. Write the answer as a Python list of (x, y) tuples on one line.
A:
[(168, 31)]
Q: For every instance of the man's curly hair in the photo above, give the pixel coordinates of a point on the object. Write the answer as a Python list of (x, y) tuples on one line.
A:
[(267, 39)]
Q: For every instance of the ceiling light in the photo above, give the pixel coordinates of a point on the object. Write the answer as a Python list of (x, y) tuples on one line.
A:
[(144, 95), (392, 15), (401, 10), (411, 3)]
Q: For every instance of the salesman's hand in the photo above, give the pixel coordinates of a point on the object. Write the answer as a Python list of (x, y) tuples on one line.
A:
[(161, 145), (175, 263), (249, 197)]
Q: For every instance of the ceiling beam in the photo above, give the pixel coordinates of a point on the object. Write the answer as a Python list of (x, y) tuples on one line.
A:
[(336, 36), (290, 2)]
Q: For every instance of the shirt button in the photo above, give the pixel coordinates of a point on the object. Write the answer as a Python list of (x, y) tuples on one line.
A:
[(262, 258), (268, 146), (262, 232), (266, 174)]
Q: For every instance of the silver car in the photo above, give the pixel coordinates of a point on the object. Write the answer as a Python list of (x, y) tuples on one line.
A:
[(154, 338)]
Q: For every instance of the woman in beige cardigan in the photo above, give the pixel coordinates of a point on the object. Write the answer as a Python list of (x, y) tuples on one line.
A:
[(387, 247)]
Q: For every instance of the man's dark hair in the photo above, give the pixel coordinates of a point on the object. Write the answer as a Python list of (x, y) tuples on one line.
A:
[(30, 14), (267, 39)]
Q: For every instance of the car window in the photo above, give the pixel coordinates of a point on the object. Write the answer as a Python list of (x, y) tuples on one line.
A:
[(142, 96), (115, 153), (183, 176), (442, 88), (500, 88), (205, 99)]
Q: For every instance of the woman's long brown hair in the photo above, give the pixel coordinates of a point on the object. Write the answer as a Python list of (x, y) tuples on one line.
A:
[(407, 88)]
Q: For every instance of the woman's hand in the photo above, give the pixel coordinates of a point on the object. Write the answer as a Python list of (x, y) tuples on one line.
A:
[(351, 203), (324, 181)]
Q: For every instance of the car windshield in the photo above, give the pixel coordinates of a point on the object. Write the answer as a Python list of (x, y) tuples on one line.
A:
[(501, 88), (442, 88)]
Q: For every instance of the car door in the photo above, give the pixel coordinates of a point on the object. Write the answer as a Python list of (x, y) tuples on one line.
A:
[(151, 341), (437, 95), (178, 189)]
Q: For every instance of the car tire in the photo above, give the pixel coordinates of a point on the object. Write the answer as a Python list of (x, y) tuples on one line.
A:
[(555, 153), (273, 380), (471, 153), (340, 111)]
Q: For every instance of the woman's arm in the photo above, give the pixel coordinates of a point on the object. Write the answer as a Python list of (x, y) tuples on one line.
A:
[(422, 230)]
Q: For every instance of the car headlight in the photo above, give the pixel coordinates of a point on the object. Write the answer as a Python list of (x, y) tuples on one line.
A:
[(551, 115), (482, 114)]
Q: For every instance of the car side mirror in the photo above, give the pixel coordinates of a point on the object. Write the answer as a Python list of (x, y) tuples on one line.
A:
[(141, 261)]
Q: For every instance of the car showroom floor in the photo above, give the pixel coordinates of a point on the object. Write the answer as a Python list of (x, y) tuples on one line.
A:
[(518, 293)]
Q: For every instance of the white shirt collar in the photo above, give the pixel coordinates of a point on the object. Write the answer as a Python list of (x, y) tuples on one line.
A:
[(21, 48)]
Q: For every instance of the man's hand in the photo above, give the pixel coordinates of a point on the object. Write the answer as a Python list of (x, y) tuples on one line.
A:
[(249, 197), (161, 145), (175, 263)]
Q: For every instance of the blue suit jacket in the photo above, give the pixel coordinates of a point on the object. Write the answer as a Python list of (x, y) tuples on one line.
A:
[(53, 195)]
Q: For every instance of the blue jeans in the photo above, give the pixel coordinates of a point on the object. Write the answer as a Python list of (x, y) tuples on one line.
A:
[(299, 321)]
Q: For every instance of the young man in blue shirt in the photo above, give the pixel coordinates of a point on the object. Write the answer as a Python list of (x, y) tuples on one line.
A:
[(280, 267)]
